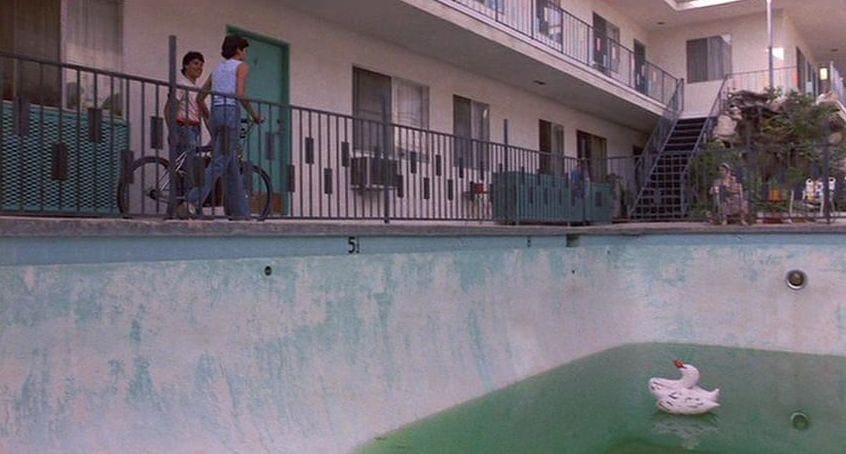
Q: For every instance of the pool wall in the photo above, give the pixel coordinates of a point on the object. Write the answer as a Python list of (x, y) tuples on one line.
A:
[(297, 343)]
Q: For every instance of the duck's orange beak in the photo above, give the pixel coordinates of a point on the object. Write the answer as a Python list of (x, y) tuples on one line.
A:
[(678, 363)]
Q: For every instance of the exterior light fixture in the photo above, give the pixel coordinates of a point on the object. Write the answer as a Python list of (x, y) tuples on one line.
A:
[(824, 73)]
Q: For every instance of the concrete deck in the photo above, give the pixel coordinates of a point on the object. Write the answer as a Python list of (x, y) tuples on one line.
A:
[(79, 227)]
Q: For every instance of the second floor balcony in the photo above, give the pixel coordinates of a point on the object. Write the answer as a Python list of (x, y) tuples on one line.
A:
[(531, 44), (598, 47)]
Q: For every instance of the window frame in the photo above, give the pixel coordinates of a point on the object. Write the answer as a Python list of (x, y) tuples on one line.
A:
[(717, 64), (405, 143), (471, 151), (61, 83), (551, 147), (596, 159)]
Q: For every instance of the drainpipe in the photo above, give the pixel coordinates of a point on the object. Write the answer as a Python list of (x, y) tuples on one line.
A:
[(770, 40)]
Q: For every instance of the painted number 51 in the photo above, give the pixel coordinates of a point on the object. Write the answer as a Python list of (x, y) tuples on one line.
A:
[(352, 242)]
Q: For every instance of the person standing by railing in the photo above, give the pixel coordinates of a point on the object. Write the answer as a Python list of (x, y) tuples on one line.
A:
[(190, 115), (729, 198), (580, 179), (228, 85)]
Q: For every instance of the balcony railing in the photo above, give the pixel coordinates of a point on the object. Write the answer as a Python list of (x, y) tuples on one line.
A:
[(552, 27), (785, 79), (84, 142)]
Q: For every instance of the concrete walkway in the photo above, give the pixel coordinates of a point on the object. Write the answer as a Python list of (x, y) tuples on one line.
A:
[(76, 227)]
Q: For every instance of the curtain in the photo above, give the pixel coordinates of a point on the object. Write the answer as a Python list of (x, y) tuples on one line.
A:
[(411, 104), (471, 120), (719, 57), (30, 28), (697, 60), (481, 121), (93, 37), (722, 60), (371, 97), (598, 159), (551, 143)]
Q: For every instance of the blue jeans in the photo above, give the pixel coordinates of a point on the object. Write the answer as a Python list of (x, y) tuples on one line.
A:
[(189, 141), (226, 129)]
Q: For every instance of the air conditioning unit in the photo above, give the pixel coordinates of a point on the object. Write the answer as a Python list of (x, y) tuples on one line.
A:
[(373, 172)]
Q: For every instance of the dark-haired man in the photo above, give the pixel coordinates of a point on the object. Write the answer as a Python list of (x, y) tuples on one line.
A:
[(190, 114), (228, 85)]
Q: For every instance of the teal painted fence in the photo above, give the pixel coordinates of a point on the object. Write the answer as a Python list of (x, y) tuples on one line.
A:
[(29, 181), (527, 198)]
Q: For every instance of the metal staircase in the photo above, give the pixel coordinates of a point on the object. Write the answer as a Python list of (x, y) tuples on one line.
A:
[(664, 189), (663, 194)]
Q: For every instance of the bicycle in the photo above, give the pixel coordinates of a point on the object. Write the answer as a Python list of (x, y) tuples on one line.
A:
[(156, 190)]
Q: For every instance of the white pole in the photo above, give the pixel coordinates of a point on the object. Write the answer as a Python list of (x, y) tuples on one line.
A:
[(770, 39)]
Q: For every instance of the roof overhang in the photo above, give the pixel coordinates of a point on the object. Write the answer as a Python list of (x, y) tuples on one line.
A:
[(819, 22)]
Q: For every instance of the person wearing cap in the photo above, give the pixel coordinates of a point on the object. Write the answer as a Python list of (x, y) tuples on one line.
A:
[(729, 198)]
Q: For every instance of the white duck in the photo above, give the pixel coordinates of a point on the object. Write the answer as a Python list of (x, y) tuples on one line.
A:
[(683, 396)]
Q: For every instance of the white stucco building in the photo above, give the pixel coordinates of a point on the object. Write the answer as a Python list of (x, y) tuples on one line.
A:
[(583, 79)]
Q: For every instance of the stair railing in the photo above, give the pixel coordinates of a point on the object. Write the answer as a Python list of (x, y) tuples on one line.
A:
[(707, 128), (657, 142)]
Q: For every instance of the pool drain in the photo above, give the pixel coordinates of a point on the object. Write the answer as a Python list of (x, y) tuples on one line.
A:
[(800, 420), (268, 271), (796, 279)]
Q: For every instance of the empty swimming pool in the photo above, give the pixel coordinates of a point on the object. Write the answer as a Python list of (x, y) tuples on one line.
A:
[(127, 336)]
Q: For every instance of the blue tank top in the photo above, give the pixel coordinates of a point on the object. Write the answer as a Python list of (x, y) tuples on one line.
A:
[(224, 80)]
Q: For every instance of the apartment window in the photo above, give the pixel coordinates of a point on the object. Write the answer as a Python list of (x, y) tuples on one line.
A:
[(606, 50), (708, 58), (549, 19), (641, 80), (593, 151), (90, 35), (30, 28), (407, 104), (496, 5), (807, 74), (410, 103), (93, 37), (471, 126), (551, 146)]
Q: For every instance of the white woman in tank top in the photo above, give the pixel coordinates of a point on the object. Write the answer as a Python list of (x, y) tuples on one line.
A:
[(228, 83), (224, 80)]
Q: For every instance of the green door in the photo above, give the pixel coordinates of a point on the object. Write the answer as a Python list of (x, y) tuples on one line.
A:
[(268, 145)]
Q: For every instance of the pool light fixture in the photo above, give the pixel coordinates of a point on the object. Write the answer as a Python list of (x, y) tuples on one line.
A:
[(800, 420), (796, 279)]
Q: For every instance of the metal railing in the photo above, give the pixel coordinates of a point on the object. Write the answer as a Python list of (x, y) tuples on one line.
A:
[(785, 79), (707, 129), (790, 183), (656, 143), (84, 142), (549, 25)]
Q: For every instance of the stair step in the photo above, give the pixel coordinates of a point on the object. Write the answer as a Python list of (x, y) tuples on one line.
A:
[(662, 196), (687, 121)]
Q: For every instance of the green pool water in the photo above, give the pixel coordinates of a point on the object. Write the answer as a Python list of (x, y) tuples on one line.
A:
[(600, 404)]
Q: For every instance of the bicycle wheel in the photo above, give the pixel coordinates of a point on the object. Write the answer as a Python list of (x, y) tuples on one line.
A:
[(145, 189), (257, 184)]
